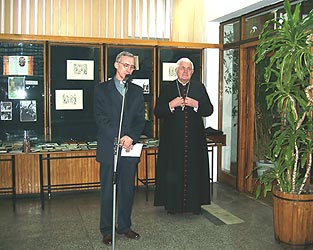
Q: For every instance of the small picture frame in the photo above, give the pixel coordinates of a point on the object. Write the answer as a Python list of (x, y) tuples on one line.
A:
[(6, 111), (18, 65), (28, 111), (16, 88), (169, 73), (68, 99), (80, 70)]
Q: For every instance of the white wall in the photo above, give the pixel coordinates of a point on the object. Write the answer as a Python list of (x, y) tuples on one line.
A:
[(232, 8), (211, 58)]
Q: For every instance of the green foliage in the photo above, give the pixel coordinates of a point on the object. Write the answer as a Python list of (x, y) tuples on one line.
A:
[(287, 75)]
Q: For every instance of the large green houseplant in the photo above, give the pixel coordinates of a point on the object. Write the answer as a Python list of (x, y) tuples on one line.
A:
[(263, 120), (287, 40)]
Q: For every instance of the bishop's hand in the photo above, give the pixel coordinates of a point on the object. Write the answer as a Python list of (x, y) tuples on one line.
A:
[(190, 102), (177, 102)]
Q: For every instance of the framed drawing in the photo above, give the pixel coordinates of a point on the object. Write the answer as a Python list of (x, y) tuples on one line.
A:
[(80, 70), (68, 99), (169, 73)]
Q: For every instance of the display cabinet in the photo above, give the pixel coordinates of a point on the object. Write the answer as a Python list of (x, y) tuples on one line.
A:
[(58, 80), (47, 89), (22, 90), (74, 72)]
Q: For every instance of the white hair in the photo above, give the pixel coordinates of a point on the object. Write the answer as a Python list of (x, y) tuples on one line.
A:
[(184, 59)]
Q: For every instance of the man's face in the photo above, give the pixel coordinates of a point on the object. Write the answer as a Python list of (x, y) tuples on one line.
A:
[(184, 72), (125, 65)]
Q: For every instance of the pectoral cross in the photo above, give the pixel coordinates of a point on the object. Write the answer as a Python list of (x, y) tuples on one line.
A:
[(185, 95)]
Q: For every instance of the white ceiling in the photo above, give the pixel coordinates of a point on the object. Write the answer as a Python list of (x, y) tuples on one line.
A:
[(223, 10)]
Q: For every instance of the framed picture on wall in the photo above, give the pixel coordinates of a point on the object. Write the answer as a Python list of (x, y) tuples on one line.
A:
[(18, 65), (169, 73), (68, 99), (28, 111), (6, 111), (80, 70), (16, 88), (144, 83)]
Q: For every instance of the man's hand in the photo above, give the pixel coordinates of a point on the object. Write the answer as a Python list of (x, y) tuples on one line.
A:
[(176, 102), (126, 143), (191, 102)]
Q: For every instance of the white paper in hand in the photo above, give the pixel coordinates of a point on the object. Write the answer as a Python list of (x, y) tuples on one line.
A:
[(135, 152)]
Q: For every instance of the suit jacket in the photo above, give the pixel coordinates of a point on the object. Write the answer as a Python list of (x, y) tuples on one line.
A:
[(107, 107)]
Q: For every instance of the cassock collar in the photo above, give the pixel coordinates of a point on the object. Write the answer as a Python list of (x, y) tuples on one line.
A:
[(183, 83)]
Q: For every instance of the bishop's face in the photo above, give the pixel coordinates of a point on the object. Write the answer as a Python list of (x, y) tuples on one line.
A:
[(184, 72)]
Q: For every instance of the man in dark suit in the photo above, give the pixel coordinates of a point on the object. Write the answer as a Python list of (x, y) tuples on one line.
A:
[(108, 105)]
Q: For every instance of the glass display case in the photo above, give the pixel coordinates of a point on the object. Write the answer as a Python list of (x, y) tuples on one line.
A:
[(47, 88), (22, 91), (74, 72)]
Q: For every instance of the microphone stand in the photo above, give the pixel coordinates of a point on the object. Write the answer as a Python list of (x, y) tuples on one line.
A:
[(116, 154)]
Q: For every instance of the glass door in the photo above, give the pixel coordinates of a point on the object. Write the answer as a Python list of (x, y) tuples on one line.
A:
[(230, 111)]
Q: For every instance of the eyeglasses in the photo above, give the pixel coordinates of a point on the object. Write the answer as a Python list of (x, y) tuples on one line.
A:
[(128, 66)]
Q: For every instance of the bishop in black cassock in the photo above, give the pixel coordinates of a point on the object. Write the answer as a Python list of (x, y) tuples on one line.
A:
[(182, 170)]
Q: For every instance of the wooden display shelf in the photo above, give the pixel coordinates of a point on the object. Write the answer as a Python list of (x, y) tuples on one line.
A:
[(71, 168)]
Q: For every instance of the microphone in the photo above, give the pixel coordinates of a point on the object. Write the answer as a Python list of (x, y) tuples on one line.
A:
[(127, 80)]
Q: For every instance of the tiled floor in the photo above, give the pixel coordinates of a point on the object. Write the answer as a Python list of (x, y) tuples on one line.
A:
[(71, 221)]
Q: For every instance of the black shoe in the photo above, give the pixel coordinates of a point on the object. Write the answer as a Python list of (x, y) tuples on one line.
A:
[(132, 235), (107, 239)]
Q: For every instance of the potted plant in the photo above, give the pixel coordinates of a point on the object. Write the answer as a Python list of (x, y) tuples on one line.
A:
[(287, 41)]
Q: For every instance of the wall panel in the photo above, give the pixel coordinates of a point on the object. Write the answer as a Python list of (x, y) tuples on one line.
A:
[(27, 173), (87, 12), (46, 18), (78, 28), (102, 20), (5, 172), (63, 18), (55, 10), (71, 18), (95, 17), (40, 25), (140, 19)]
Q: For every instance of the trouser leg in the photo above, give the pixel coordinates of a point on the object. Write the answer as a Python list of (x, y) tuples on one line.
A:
[(126, 191), (106, 199)]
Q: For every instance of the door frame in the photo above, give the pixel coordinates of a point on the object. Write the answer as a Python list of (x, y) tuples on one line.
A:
[(246, 117)]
